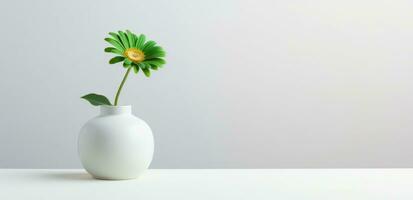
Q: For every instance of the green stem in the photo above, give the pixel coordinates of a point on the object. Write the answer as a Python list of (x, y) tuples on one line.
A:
[(121, 86)]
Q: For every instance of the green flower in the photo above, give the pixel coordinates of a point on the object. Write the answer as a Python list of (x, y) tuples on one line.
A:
[(135, 52)]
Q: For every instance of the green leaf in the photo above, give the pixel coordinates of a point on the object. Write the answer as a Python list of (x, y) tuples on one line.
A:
[(97, 99), (124, 39), (116, 59), (115, 43), (113, 50), (146, 72), (130, 38)]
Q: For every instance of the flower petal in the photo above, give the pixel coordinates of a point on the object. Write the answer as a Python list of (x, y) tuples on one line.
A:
[(116, 37), (124, 39), (141, 65), (146, 72), (148, 45), (116, 59), (158, 62), (115, 43), (154, 67), (130, 38), (127, 63), (156, 55), (135, 68), (140, 42), (113, 50), (154, 52)]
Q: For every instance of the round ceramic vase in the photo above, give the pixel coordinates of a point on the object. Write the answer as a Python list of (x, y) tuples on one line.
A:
[(115, 145)]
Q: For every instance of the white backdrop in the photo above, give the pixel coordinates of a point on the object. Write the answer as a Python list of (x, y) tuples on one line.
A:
[(248, 84)]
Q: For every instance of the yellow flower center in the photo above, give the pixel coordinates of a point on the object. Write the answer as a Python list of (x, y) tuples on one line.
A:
[(135, 55)]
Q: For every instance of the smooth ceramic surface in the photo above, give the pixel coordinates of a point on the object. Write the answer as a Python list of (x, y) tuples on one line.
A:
[(116, 144)]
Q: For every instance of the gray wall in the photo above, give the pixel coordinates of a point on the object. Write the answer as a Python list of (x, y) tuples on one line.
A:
[(249, 84)]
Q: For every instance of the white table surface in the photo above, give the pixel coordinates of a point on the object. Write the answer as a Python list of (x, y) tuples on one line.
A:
[(200, 184)]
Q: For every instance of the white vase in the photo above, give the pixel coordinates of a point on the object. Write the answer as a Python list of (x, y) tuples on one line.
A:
[(115, 145)]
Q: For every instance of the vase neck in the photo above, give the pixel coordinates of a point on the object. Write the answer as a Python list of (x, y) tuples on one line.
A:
[(115, 110)]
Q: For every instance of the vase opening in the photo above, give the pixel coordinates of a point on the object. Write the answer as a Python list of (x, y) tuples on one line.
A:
[(114, 110)]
